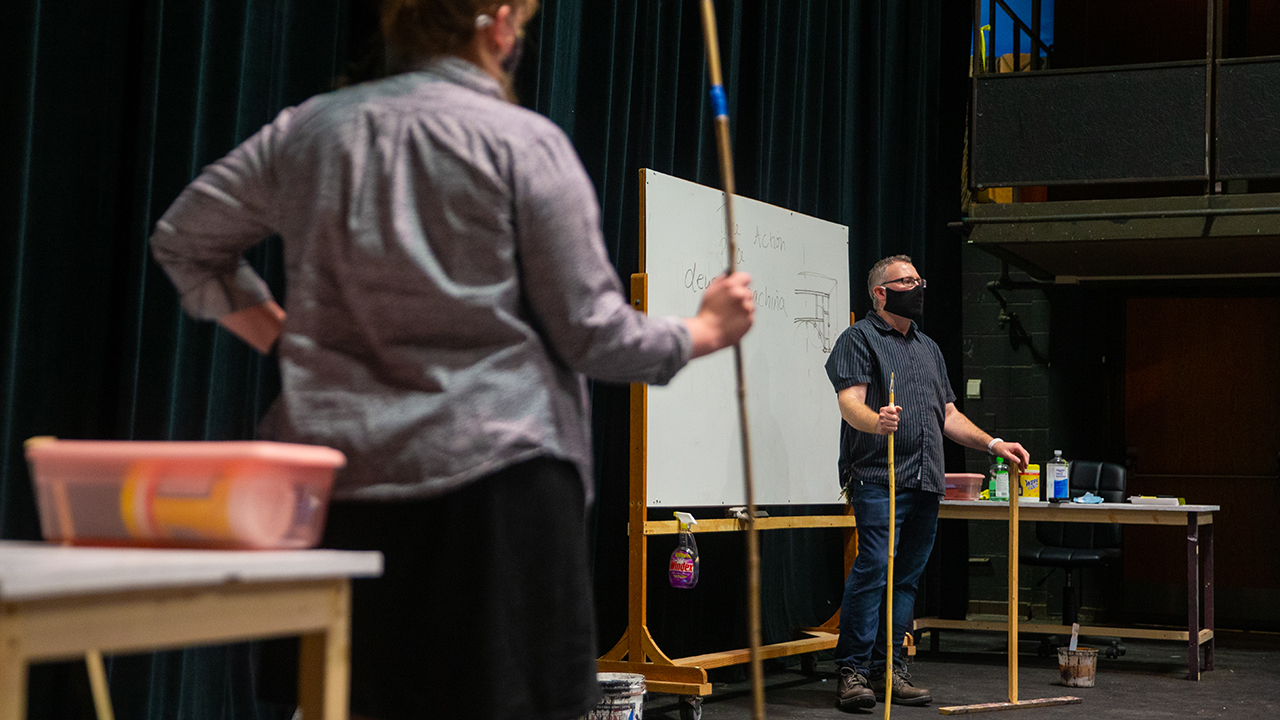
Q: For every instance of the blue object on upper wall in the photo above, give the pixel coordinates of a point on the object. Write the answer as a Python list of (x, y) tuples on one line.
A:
[(1004, 25)]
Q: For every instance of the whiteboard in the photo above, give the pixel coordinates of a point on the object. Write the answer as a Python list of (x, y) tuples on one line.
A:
[(799, 269)]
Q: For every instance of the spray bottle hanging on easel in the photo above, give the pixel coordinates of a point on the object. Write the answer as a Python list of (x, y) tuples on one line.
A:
[(682, 571)]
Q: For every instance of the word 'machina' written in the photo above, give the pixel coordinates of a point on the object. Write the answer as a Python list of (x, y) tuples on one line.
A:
[(767, 299)]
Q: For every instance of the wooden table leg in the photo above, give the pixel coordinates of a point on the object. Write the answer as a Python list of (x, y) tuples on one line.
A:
[(1207, 545), (324, 664), (1193, 597), (98, 685), (13, 677)]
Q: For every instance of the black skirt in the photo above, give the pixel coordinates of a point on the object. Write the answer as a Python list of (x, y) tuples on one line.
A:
[(484, 610)]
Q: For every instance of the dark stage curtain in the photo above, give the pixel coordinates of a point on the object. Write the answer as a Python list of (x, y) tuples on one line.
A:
[(849, 111), (109, 110)]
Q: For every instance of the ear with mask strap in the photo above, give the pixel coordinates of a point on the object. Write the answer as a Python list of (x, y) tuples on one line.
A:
[(512, 60)]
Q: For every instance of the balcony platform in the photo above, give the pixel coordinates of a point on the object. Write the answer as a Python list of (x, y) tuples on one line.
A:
[(1227, 236)]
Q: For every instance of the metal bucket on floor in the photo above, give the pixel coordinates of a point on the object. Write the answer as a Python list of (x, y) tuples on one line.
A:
[(621, 697), (1078, 667)]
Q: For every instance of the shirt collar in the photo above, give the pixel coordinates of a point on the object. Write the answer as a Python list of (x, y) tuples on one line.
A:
[(884, 327), (465, 73)]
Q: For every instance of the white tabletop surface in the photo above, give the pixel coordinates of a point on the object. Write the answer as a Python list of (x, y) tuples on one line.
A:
[(32, 570), (1122, 506)]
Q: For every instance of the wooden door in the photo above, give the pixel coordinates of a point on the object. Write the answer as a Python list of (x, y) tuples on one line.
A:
[(1202, 421)]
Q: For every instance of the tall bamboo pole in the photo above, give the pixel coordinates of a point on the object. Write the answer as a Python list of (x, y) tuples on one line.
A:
[(720, 108), (888, 610), (1015, 493)]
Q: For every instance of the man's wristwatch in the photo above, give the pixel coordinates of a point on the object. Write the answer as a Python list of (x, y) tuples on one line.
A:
[(992, 444)]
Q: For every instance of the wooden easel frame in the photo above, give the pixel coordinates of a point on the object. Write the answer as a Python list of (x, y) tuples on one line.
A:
[(637, 652)]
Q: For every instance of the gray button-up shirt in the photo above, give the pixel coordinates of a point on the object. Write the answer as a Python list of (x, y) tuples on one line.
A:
[(448, 285)]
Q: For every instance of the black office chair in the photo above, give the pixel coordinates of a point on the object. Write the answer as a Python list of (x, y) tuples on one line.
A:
[(1078, 545)]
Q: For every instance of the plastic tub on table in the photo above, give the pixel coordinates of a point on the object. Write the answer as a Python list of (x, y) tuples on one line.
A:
[(186, 494), (963, 486)]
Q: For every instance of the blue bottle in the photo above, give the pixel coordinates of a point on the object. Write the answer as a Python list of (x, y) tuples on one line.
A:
[(683, 569)]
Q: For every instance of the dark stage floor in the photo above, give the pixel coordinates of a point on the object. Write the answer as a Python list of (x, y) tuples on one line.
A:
[(1149, 681)]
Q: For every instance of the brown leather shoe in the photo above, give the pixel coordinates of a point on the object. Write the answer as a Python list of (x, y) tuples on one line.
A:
[(904, 693), (853, 692)]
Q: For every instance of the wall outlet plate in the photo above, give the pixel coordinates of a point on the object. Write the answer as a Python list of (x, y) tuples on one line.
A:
[(973, 389)]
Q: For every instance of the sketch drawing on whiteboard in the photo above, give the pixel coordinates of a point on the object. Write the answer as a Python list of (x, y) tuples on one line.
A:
[(816, 292)]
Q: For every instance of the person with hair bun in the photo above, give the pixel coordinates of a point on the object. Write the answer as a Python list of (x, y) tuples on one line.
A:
[(448, 293)]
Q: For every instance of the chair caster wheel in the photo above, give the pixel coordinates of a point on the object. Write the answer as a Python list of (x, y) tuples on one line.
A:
[(691, 707), (1048, 647)]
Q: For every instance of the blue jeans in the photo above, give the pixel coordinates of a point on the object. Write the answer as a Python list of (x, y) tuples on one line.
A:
[(862, 621)]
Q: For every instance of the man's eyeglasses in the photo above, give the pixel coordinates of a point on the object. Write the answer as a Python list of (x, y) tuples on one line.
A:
[(906, 282)]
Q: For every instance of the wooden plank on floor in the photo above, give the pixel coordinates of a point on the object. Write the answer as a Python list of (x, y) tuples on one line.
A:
[(997, 706)]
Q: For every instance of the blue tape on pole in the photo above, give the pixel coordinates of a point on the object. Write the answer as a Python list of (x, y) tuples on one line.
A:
[(718, 104)]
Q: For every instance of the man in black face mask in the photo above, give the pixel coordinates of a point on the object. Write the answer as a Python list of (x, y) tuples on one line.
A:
[(888, 341)]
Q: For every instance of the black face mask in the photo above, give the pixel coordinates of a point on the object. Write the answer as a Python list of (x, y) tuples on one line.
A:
[(905, 303), (512, 60)]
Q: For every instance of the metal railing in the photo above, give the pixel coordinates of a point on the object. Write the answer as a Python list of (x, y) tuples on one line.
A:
[(1213, 105), (1020, 28)]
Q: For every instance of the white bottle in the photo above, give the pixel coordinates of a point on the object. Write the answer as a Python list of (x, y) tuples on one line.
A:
[(1059, 481)]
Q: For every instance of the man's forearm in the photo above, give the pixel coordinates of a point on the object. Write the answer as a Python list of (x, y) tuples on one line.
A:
[(961, 429), (860, 417), (854, 410)]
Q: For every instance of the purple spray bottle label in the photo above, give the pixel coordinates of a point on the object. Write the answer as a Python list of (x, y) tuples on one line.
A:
[(683, 569)]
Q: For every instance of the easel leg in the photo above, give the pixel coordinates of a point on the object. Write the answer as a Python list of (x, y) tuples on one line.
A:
[(324, 664)]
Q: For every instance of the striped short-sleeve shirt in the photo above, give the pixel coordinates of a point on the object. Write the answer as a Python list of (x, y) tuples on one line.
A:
[(867, 353)]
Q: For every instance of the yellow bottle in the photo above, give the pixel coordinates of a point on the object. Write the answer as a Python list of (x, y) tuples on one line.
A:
[(237, 508)]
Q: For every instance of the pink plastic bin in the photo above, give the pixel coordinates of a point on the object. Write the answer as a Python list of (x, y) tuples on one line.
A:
[(963, 486), (182, 494)]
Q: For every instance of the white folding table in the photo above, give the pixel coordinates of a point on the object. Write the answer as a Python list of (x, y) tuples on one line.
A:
[(59, 603)]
